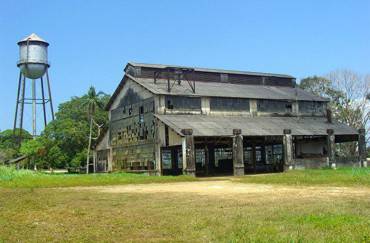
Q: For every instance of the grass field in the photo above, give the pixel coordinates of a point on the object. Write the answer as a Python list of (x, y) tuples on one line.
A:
[(298, 206)]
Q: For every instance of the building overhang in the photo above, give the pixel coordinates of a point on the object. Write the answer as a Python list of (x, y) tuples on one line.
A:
[(217, 126)]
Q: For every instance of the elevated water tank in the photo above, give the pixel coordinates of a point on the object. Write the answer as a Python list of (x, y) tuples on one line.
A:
[(33, 56)]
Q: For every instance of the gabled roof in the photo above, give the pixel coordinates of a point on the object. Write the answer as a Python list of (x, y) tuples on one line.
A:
[(217, 89), (208, 125), (209, 70)]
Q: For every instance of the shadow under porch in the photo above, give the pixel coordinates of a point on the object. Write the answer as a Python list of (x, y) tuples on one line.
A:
[(214, 156)]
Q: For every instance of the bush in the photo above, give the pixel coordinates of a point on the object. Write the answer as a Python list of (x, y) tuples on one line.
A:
[(11, 173)]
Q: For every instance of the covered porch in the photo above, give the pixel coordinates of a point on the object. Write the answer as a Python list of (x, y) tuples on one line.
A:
[(236, 145)]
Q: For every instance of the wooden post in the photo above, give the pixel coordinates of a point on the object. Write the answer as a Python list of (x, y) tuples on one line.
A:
[(94, 159), (362, 147), (188, 148), (288, 149), (238, 162), (331, 147)]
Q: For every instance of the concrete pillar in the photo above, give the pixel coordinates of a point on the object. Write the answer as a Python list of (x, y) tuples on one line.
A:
[(253, 107), (205, 105), (238, 162), (331, 147), (110, 159), (362, 147), (189, 156), (288, 149)]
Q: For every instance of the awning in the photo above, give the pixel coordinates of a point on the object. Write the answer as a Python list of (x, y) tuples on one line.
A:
[(212, 126)]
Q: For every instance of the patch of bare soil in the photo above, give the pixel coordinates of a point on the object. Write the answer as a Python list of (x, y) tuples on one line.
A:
[(229, 188)]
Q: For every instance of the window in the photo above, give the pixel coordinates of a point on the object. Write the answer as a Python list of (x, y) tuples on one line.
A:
[(248, 155), (278, 152), (179, 158), (311, 107), (166, 159), (222, 154), (258, 154), (200, 157), (182, 103), (276, 106), (229, 104), (269, 154)]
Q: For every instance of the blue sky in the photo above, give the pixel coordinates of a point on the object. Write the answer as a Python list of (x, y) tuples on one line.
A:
[(91, 41)]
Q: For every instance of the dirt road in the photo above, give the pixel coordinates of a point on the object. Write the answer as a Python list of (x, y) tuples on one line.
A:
[(228, 188)]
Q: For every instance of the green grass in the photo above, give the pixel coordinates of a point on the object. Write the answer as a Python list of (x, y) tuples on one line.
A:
[(12, 178), (80, 215), (324, 177), (34, 209)]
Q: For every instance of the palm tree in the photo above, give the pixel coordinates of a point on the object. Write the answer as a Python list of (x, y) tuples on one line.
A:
[(92, 102)]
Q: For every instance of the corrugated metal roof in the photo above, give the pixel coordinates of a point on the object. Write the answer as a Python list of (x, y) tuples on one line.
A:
[(33, 37), (207, 125), (217, 89), (211, 70)]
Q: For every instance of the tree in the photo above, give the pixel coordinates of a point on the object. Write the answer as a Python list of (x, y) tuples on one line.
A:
[(348, 94), (69, 131), (35, 150), (55, 157), (8, 144), (64, 139), (92, 103)]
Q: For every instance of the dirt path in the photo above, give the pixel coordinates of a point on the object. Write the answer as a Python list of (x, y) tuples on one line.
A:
[(229, 188)]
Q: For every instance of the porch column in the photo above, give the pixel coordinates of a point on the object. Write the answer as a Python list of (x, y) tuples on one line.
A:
[(331, 147), (288, 149), (238, 162), (189, 152), (110, 160), (362, 147)]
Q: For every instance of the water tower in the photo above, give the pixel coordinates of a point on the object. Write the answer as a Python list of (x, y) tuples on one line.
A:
[(33, 65)]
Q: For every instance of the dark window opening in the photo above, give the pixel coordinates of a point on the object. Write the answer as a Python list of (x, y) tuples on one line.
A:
[(274, 106), (169, 105), (311, 107), (248, 159), (183, 103), (130, 111), (229, 104), (288, 107)]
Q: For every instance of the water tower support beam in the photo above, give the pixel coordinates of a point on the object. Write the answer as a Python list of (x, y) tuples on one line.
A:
[(17, 103), (49, 89), (23, 87), (43, 100), (34, 108)]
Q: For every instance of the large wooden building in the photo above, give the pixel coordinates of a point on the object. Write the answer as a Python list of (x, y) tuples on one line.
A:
[(172, 120)]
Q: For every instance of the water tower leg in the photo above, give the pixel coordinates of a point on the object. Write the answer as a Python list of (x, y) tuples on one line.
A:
[(49, 89), (16, 104), (33, 108), (43, 100), (23, 87)]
